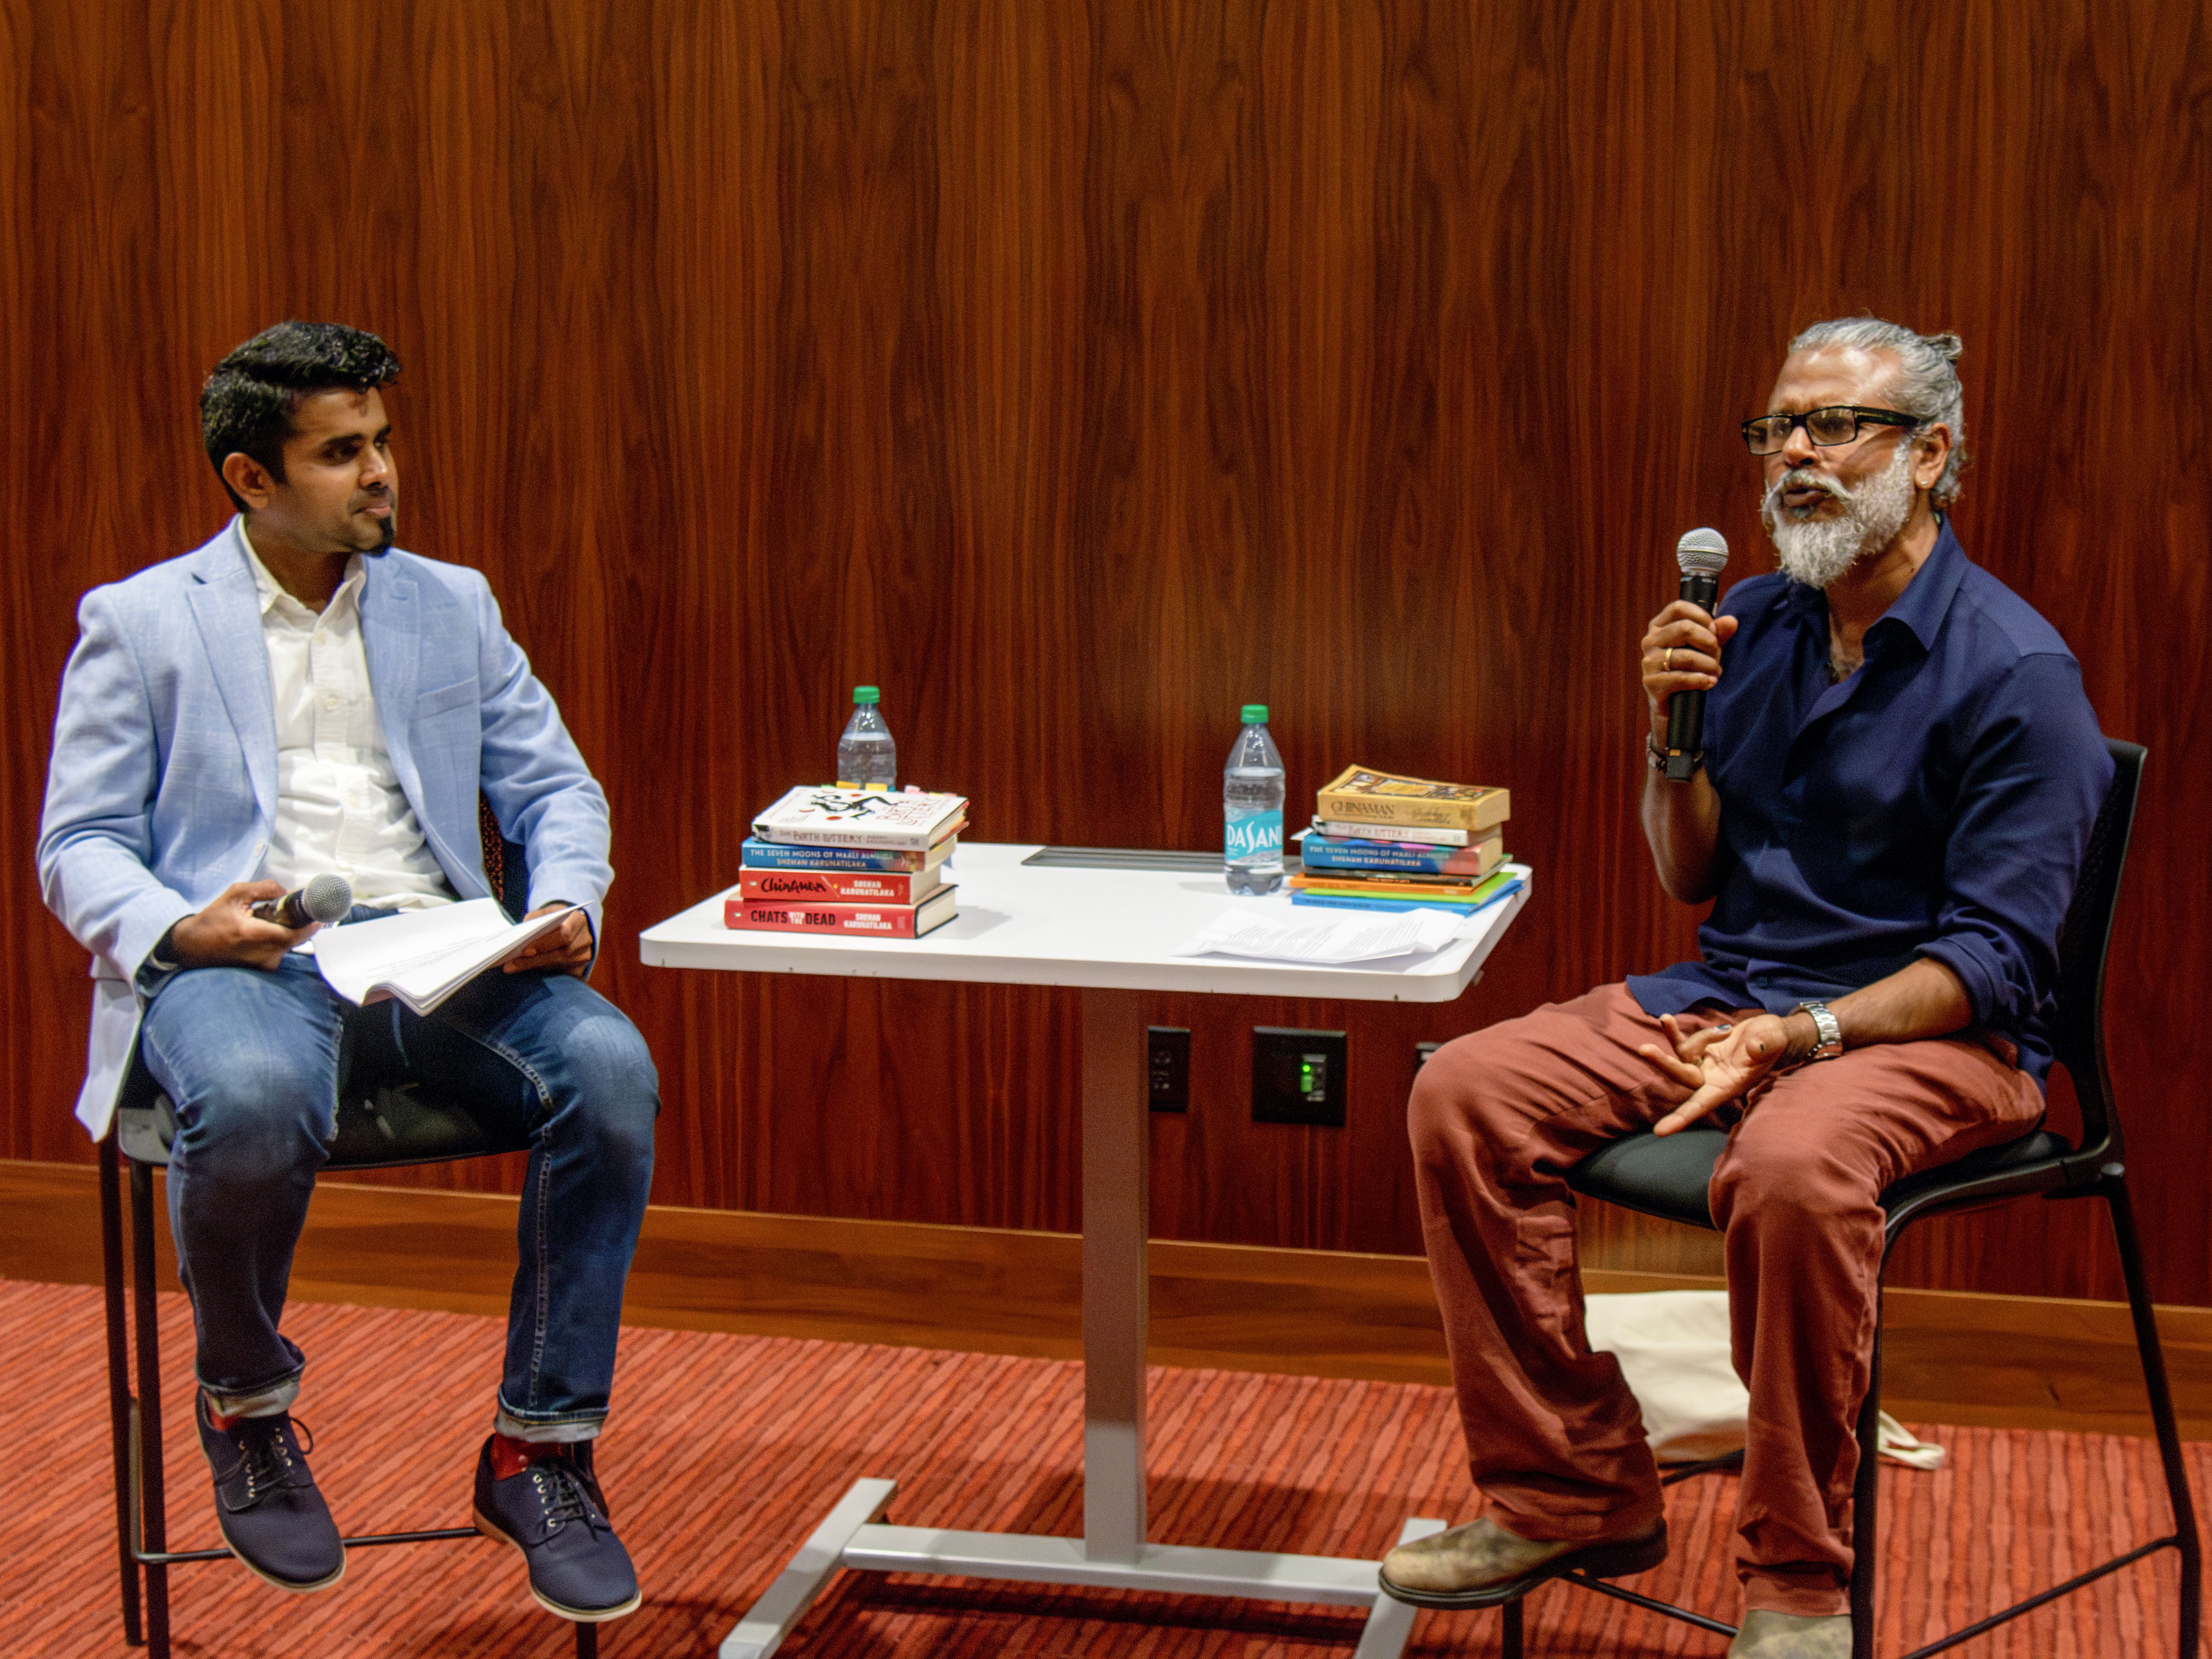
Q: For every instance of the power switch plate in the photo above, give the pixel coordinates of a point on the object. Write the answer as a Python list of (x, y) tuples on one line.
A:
[(1167, 1067), (1298, 1076)]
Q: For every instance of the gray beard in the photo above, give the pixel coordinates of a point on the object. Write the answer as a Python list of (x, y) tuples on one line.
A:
[(1816, 552)]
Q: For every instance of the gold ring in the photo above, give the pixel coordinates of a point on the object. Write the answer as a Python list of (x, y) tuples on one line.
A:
[(1670, 660)]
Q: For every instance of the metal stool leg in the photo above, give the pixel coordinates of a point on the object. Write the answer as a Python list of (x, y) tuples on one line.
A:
[(2161, 1410), (118, 1383), (153, 1510), (1509, 1631), (1865, 1496), (587, 1642)]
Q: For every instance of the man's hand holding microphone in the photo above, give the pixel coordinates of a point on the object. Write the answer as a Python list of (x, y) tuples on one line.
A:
[(255, 924)]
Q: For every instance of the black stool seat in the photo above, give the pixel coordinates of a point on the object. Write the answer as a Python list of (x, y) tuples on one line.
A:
[(1667, 1176), (380, 1128)]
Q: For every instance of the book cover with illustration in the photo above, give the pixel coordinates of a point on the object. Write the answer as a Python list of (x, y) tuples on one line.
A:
[(1360, 794), (819, 815)]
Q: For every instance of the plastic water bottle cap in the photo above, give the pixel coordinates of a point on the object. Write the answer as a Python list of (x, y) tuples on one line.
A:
[(1255, 714), (867, 694)]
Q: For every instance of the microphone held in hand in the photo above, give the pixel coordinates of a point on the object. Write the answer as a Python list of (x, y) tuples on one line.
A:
[(325, 899), (1701, 554)]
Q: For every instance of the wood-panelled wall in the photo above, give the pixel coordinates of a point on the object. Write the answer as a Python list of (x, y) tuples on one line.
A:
[(1077, 372)]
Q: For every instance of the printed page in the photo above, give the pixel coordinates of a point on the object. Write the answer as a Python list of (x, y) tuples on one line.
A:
[(422, 957), (1359, 936)]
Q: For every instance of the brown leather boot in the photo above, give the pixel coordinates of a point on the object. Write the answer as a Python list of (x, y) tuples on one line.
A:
[(1482, 1565)]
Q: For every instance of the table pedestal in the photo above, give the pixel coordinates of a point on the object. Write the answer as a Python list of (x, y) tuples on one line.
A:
[(1113, 1552)]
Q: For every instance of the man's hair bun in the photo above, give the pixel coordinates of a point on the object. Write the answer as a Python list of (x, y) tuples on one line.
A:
[(1948, 346)]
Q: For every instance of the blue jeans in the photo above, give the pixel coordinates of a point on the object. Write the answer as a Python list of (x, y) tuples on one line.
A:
[(255, 1061)]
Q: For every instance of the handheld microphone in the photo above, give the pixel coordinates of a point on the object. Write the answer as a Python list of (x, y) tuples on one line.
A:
[(325, 898), (1701, 554)]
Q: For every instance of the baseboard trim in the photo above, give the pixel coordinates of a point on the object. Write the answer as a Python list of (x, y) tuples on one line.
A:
[(1949, 1356)]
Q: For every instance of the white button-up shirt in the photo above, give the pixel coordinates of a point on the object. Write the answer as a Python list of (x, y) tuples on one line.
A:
[(339, 807)]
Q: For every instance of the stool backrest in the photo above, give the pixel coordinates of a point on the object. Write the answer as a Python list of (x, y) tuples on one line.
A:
[(2085, 938)]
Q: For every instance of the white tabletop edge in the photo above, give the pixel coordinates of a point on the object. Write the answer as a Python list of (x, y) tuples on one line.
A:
[(1066, 940)]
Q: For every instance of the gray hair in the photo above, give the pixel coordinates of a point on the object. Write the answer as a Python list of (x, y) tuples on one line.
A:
[(1927, 386)]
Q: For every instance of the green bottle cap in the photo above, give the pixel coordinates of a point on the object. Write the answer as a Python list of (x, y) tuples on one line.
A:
[(867, 694), (1255, 714)]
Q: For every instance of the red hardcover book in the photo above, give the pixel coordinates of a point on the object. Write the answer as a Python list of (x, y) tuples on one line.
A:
[(866, 920), (790, 887)]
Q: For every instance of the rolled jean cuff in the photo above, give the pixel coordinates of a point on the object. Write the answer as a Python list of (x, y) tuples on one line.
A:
[(559, 1431), (265, 1401)]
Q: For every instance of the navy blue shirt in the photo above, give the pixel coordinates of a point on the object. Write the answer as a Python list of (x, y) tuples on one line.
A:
[(1937, 803)]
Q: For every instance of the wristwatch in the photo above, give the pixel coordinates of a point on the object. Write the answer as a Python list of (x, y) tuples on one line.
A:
[(1830, 1030)]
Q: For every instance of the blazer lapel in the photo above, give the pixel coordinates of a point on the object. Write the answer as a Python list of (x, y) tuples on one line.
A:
[(391, 637), (224, 607)]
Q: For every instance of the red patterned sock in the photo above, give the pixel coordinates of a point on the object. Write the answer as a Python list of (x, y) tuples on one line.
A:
[(510, 1457)]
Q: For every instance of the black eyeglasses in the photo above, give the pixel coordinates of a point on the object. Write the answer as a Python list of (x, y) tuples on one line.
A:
[(1839, 423)]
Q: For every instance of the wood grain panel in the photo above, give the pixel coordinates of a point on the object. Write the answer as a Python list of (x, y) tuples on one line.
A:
[(1077, 373)]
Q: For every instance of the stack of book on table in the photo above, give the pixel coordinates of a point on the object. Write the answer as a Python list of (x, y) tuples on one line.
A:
[(865, 861), (1383, 842)]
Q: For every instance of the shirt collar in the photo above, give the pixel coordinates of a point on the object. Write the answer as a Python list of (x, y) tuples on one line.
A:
[(1921, 607), (270, 592)]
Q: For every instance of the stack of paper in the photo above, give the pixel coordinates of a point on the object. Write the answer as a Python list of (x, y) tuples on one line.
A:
[(1359, 937), (424, 957)]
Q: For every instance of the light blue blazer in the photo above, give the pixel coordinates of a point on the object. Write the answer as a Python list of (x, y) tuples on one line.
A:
[(163, 789)]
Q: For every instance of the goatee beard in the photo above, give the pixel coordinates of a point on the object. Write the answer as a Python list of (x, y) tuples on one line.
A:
[(1816, 552)]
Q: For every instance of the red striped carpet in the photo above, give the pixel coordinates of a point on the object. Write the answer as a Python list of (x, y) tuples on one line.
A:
[(725, 1450)]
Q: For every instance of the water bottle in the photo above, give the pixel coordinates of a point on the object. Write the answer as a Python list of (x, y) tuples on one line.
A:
[(1252, 807), (866, 757)]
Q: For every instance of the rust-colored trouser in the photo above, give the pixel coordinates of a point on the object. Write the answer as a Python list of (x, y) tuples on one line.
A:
[(1554, 1436)]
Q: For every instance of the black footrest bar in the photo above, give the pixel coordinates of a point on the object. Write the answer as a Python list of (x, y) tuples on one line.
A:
[(1644, 1602), (368, 1541), (2051, 1595)]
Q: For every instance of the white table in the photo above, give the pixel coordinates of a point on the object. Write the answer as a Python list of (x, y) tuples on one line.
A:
[(1107, 931)]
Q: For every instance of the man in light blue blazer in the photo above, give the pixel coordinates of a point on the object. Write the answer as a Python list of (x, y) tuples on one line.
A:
[(297, 698)]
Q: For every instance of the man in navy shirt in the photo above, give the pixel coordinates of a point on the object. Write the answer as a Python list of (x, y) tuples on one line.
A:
[(1899, 779)]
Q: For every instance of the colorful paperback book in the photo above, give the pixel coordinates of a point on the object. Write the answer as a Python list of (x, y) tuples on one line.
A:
[(822, 816), (840, 886), (1319, 852), (868, 921), (759, 854), (1360, 794), (1336, 830), (1510, 879), (1413, 887)]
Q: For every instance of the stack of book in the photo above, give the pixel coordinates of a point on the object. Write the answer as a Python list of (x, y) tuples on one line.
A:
[(1383, 842), (826, 860)]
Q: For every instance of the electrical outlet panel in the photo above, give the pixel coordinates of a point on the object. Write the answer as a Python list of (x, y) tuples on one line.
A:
[(1167, 1067), (1298, 1076)]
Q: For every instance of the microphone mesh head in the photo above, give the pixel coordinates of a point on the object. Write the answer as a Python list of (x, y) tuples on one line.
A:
[(327, 898), (1702, 550)]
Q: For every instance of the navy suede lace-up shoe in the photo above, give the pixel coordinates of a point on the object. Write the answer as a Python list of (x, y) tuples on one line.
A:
[(544, 1500), (273, 1518)]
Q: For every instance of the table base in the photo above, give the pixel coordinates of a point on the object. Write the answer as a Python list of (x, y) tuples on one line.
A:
[(851, 1537)]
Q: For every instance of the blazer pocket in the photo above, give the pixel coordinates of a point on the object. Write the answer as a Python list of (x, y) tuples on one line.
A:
[(459, 695)]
